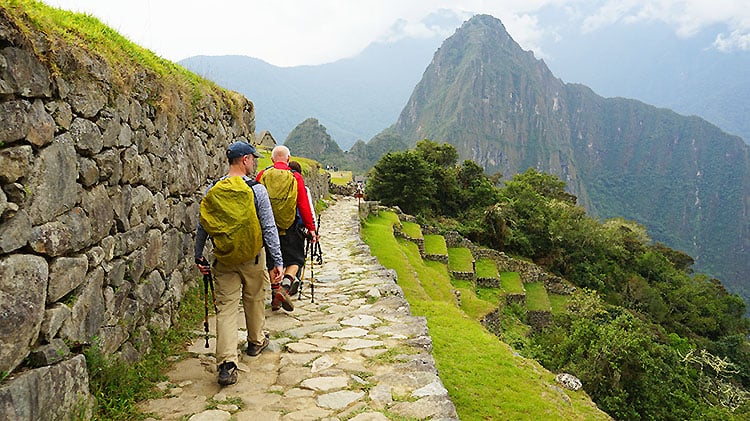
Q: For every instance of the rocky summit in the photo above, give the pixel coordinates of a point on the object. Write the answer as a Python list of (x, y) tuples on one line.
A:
[(350, 349)]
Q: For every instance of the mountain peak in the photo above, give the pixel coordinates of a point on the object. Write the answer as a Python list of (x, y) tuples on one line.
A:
[(505, 110)]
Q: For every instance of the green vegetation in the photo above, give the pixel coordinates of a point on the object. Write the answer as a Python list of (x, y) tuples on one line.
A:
[(125, 59), (488, 381), (536, 297), (411, 229), (119, 386), (486, 268), (435, 244), (490, 295), (558, 303), (341, 177), (460, 259), (649, 338), (511, 283)]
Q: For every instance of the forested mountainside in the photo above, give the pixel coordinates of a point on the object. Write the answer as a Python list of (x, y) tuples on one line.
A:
[(682, 177)]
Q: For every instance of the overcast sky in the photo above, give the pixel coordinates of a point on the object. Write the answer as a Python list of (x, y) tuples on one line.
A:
[(297, 32)]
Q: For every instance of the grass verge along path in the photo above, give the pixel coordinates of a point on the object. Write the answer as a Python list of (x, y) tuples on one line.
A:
[(484, 377)]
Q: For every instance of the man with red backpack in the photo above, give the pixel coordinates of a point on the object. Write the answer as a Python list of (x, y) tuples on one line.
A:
[(288, 195)]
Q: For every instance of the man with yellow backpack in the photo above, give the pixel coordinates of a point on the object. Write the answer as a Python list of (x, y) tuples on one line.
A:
[(236, 213), (288, 195)]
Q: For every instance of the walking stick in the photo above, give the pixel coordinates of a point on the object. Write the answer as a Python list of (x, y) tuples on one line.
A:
[(316, 246), (206, 282), (301, 274), (312, 276)]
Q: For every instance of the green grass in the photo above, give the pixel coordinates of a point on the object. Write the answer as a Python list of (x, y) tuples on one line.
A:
[(493, 296), (558, 303), (435, 244), (536, 297), (341, 177), (413, 230), (119, 386), (484, 378), (511, 282), (460, 259), (433, 276), (486, 268), (474, 307), (389, 252), (124, 57)]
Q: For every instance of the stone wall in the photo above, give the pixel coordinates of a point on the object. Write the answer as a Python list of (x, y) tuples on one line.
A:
[(101, 174)]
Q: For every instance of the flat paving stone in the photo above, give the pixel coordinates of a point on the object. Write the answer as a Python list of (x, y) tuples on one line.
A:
[(324, 351)]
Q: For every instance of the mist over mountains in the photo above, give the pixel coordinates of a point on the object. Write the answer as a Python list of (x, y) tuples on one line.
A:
[(355, 98), (650, 63), (682, 177)]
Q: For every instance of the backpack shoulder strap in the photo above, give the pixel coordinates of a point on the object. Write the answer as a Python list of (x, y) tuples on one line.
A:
[(250, 181)]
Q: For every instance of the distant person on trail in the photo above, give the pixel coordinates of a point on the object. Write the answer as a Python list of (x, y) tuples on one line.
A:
[(295, 166), (288, 194), (236, 213)]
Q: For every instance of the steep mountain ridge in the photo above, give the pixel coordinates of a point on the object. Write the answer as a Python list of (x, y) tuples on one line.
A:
[(682, 177)]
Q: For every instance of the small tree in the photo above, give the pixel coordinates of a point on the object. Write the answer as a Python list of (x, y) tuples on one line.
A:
[(401, 179)]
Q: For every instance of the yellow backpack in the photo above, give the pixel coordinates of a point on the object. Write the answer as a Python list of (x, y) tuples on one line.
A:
[(229, 216), (282, 190)]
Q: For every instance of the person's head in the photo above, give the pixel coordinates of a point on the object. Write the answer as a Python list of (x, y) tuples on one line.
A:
[(243, 154), (280, 153), (295, 166)]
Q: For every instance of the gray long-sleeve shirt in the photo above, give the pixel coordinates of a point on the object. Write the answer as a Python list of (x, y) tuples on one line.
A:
[(267, 225)]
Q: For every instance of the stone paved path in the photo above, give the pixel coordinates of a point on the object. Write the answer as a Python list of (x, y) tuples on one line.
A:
[(355, 353)]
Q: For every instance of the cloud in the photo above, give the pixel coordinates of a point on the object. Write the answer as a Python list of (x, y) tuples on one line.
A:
[(737, 40), (297, 32), (686, 17)]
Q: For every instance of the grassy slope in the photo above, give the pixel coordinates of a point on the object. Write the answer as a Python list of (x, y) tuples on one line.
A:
[(484, 377)]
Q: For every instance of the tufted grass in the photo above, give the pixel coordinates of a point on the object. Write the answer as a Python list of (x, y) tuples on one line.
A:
[(460, 259), (536, 297), (435, 244), (341, 177), (511, 282), (413, 230), (486, 268), (485, 379), (119, 386), (491, 295), (558, 303), (125, 58)]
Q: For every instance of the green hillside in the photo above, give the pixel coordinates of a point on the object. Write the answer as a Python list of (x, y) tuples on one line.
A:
[(648, 337), (484, 377), (681, 177)]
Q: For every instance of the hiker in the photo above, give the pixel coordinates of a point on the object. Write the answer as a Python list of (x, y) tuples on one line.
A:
[(295, 166), (236, 213), (288, 194)]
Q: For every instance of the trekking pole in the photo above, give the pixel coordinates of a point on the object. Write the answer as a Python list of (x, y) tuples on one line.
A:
[(302, 271), (206, 282), (316, 245), (312, 276)]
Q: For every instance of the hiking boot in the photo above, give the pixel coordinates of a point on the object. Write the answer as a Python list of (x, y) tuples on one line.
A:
[(294, 286), (281, 298), (254, 350), (227, 373)]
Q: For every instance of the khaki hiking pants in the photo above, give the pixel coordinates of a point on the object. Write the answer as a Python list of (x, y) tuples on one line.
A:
[(247, 280)]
